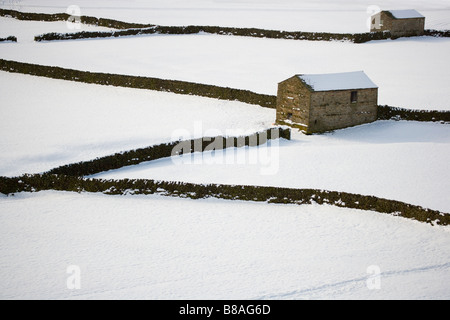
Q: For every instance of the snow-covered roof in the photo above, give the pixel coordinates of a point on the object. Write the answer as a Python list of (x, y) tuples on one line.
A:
[(406, 14), (338, 81)]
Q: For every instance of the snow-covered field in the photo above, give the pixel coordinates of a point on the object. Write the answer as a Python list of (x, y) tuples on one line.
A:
[(292, 15), (25, 31), (47, 123), (153, 247), (405, 161), (90, 121), (410, 73)]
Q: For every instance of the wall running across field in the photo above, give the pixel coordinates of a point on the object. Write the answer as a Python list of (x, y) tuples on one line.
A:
[(190, 88)]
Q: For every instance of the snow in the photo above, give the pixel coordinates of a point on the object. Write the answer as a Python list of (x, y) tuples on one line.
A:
[(25, 31), (152, 247), (403, 161), (406, 14), (290, 15), (259, 64), (338, 81), (47, 123)]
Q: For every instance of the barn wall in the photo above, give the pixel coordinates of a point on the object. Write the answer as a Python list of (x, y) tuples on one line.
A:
[(332, 110), (408, 27), (381, 22), (293, 98)]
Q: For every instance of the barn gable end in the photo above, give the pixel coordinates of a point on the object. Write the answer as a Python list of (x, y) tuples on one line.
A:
[(293, 103)]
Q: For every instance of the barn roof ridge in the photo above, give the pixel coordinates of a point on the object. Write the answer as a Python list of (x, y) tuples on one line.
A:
[(405, 14), (337, 81)]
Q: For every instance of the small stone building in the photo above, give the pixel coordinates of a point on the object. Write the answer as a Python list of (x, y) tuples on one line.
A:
[(322, 102), (401, 23)]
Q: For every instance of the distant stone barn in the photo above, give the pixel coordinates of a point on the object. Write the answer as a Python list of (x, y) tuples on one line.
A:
[(401, 23), (317, 103)]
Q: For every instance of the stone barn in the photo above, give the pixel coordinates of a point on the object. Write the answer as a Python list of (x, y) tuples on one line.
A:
[(317, 103), (401, 23)]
